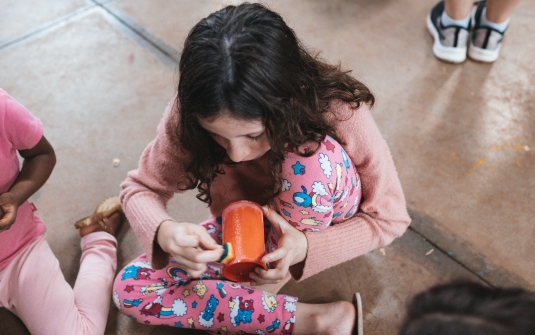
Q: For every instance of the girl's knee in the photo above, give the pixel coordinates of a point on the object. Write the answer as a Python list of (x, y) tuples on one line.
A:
[(315, 188)]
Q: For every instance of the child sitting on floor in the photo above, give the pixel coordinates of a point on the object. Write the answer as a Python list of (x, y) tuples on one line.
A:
[(257, 118), (32, 285)]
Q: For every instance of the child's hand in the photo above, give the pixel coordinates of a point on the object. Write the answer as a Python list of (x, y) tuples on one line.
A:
[(292, 249), (184, 240), (8, 211)]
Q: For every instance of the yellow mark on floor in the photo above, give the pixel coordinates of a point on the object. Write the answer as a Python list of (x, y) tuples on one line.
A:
[(478, 164), (453, 156), (493, 169), (524, 147), (517, 162)]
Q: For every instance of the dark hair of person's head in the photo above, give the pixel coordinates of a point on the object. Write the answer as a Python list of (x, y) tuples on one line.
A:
[(466, 308), (245, 61)]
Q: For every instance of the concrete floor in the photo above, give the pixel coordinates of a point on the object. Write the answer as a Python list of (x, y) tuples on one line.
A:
[(99, 73)]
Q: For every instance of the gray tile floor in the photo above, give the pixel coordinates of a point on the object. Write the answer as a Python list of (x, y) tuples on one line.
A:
[(99, 73)]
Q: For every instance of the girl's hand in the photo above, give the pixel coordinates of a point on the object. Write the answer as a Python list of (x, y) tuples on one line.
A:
[(8, 211), (184, 241), (36, 168), (292, 249)]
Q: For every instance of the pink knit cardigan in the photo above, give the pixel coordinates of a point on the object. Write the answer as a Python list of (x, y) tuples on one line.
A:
[(381, 218)]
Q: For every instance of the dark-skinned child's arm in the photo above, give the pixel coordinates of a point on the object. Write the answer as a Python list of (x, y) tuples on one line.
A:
[(38, 164)]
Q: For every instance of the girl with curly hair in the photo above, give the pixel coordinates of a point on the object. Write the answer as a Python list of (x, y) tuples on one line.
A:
[(257, 118)]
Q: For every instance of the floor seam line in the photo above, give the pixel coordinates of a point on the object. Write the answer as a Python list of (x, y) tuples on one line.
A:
[(435, 245), (45, 27), (138, 33)]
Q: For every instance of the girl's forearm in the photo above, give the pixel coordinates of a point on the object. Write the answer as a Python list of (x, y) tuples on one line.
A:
[(36, 168)]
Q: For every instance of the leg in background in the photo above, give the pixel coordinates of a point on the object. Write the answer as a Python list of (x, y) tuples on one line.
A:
[(458, 9), (491, 20), (499, 10)]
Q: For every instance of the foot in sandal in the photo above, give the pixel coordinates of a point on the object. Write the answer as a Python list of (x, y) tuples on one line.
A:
[(335, 318), (359, 327), (106, 217)]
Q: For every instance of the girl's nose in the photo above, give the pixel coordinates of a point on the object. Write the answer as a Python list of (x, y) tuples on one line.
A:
[(237, 152)]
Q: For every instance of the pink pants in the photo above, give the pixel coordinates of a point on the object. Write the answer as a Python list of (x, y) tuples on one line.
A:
[(317, 191), (32, 286)]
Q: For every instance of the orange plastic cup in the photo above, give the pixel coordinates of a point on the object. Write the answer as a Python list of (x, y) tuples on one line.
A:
[(243, 227)]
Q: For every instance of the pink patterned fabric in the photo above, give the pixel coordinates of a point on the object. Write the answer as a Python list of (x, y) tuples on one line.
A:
[(317, 191), (170, 297), (19, 130)]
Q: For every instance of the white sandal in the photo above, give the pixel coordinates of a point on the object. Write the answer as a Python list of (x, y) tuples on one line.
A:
[(357, 302)]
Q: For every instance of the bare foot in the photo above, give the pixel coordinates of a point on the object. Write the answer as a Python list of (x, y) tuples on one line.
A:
[(335, 318), (113, 222)]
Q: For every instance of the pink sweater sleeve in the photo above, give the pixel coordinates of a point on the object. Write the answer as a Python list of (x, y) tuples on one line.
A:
[(147, 190), (382, 215)]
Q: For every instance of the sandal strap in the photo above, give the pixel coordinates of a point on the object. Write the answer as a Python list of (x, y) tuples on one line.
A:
[(103, 224), (96, 218)]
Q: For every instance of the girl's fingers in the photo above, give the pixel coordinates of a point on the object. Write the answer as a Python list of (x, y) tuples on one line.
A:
[(272, 275), (199, 236), (256, 280), (7, 220), (271, 214), (206, 240), (275, 255), (283, 266), (188, 247), (274, 218), (194, 260), (198, 255), (278, 272), (186, 240)]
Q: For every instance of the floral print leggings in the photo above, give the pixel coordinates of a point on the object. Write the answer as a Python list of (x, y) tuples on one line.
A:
[(318, 191)]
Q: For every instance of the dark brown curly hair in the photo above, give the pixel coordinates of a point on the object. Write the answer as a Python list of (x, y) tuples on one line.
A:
[(469, 308), (244, 60)]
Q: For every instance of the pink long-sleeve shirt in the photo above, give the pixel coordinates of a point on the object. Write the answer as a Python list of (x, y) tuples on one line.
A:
[(381, 218)]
